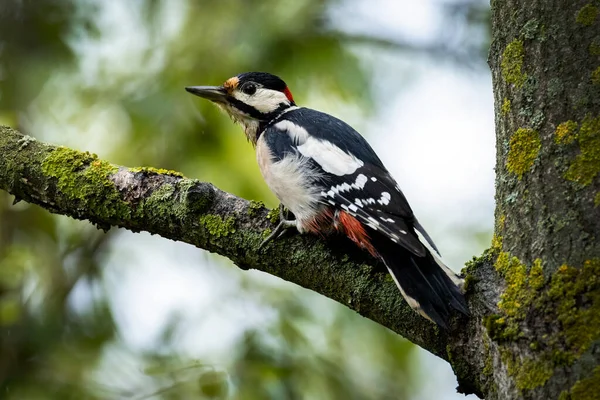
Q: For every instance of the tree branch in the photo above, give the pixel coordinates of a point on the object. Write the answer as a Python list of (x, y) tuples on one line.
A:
[(80, 185)]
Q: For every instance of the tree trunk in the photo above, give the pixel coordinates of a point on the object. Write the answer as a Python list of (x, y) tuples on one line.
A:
[(534, 296), (542, 339)]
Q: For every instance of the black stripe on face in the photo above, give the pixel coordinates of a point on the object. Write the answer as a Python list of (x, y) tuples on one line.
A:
[(253, 112), (245, 108)]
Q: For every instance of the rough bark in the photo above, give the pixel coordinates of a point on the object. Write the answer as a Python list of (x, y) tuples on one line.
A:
[(534, 296), (543, 336)]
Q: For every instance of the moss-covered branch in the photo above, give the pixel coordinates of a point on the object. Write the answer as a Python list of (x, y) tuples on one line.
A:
[(82, 186)]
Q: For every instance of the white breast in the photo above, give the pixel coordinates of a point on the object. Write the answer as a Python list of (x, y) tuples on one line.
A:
[(290, 180)]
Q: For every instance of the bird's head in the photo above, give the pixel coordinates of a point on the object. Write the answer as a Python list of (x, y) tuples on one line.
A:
[(250, 99)]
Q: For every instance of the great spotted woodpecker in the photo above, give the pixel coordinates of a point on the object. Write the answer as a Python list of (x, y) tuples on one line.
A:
[(329, 177)]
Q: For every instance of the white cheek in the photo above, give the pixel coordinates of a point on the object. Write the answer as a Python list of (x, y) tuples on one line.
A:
[(264, 100)]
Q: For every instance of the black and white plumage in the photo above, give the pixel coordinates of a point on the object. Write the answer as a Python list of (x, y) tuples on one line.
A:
[(329, 177)]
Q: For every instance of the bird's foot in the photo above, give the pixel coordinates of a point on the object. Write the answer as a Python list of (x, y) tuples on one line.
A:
[(281, 228)]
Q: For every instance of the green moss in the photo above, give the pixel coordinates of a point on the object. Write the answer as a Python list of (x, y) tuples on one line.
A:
[(488, 367), (580, 321), (460, 367), (156, 171), (496, 243), (512, 63), (84, 179), (525, 145), (163, 202), (570, 299), (163, 193), (528, 373), (597, 200), (588, 388), (195, 200), (266, 233), (536, 275), (501, 221), (565, 132), (586, 165), (505, 106), (468, 282), (575, 295), (586, 16), (273, 215), (495, 326), (531, 373), (218, 227), (255, 207), (595, 76), (517, 297), (594, 48), (534, 346), (474, 264), (471, 267)]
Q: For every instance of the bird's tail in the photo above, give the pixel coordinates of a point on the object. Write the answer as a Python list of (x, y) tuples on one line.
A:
[(427, 285)]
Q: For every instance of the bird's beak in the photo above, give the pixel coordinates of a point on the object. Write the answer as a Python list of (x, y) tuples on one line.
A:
[(213, 93)]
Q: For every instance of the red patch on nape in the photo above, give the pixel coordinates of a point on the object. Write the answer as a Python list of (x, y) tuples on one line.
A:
[(356, 232), (288, 94)]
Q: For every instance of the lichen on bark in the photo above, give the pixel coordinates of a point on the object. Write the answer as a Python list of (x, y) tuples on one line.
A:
[(586, 16), (584, 389), (85, 180), (595, 76), (512, 63), (566, 132), (217, 226), (524, 147), (569, 301), (506, 106), (586, 165)]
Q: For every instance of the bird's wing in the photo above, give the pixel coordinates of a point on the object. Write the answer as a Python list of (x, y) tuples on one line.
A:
[(350, 174), (370, 195)]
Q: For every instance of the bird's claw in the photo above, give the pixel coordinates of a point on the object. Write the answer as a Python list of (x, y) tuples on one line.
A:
[(281, 228)]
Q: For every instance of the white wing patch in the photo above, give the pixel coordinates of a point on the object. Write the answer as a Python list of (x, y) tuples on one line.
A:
[(360, 181), (296, 132), (331, 158), (343, 187), (385, 199)]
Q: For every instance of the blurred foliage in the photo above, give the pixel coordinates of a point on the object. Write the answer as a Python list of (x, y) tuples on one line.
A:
[(108, 77)]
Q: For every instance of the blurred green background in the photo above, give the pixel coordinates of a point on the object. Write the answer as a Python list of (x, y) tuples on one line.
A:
[(91, 315)]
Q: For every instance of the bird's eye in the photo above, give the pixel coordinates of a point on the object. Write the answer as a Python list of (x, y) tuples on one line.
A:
[(249, 89)]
